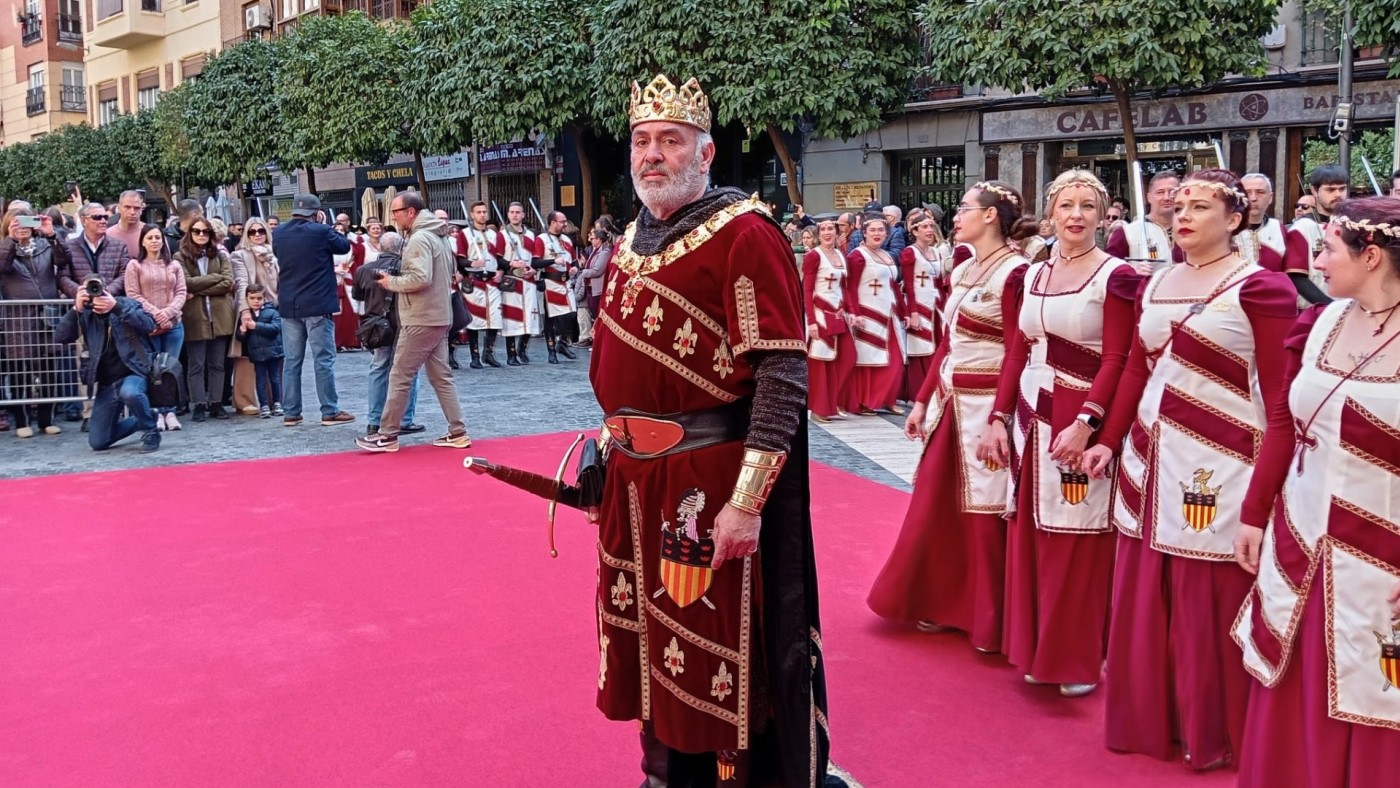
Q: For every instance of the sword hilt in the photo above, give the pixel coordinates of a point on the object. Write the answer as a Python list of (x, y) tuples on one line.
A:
[(478, 465)]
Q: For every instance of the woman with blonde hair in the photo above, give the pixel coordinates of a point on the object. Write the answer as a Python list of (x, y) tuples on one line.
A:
[(1065, 358), (878, 306), (253, 264), (831, 354), (923, 268)]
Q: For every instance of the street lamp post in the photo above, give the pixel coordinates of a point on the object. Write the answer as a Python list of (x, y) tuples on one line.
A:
[(1342, 123)]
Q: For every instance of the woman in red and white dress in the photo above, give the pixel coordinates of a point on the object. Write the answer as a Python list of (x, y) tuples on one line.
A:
[(1062, 367), (1204, 377), (879, 310), (831, 353), (947, 568), (1321, 628), (347, 320), (922, 267)]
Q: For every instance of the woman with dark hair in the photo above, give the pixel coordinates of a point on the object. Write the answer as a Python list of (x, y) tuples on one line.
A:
[(873, 293), (1062, 366), (1324, 613), (947, 568), (208, 317), (31, 262), (1204, 378), (922, 267), (158, 283), (831, 353)]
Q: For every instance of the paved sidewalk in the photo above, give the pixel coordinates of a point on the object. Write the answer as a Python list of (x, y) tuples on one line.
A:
[(505, 402)]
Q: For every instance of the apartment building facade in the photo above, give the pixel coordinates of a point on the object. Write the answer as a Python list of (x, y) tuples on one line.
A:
[(41, 55), (138, 49)]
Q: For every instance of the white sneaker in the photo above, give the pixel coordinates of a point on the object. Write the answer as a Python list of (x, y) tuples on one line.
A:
[(160, 422), (171, 423)]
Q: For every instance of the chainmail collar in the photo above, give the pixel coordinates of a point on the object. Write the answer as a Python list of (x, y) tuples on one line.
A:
[(651, 234)]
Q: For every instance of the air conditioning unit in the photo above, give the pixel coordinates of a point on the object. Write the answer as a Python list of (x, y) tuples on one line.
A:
[(257, 18)]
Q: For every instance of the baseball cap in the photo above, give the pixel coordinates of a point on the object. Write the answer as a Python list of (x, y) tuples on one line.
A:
[(305, 205)]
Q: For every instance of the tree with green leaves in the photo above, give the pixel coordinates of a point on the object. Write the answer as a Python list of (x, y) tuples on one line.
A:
[(767, 65), (230, 110), (340, 94), (530, 75), (1128, 47), (137, 155), (1373, 145)]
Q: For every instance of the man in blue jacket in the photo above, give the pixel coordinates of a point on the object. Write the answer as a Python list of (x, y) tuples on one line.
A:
[(308, 296), (116, 333)]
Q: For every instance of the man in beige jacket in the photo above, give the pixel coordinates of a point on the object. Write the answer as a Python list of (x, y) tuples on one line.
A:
[(425, 315)]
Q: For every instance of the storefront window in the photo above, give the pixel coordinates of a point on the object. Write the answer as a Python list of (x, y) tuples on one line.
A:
[(935, 178)]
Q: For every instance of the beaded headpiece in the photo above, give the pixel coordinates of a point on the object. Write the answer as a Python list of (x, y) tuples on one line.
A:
[(662, 100), (1000, 191), (1079, 180), (1366, 228), (1226, 191)]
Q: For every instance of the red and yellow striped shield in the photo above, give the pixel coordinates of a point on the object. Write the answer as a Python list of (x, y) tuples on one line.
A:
[(1074, 487), (685, 583), (1390, 664), (1199, 510)]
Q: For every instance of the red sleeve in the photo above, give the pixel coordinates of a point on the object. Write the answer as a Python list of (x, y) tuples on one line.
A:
[(497, 247), (933, 380), (899, 310), (810, 263), (1296, 254), (1271, 467), (1123, 409), (762, 299), (906, 267), (1119, 308), (1271, 260), (961, 254), (1272, 305), (855, 268), (1013, 294), (1117, 245)]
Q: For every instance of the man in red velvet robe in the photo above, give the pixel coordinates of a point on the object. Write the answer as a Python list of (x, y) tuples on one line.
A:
[(707, 604)]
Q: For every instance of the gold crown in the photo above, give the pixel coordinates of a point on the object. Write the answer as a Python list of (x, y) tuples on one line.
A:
[(662, 100)]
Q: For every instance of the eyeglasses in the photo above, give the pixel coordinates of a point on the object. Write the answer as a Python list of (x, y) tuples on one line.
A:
[(1302, 206), (397, 210), (98, 217), (257, 231), (199, 232), (962, 208)]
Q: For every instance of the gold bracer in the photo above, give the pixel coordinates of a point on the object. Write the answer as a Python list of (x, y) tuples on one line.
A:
[(756, 478)]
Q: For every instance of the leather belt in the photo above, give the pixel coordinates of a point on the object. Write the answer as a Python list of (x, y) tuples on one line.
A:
[(556, 276), (483, 274), (646, 436)]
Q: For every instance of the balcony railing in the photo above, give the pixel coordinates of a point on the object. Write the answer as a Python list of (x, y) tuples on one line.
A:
[(380, 9), (31, 29), (72, 98), (70, 28), (922, 88), (110, 8), (34, 101)]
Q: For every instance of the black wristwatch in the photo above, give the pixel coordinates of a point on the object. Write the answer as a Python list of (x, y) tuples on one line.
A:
[(1091, 421)]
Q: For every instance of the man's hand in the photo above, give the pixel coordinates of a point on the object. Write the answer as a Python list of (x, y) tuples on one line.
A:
[(103, 304), (736, 535)]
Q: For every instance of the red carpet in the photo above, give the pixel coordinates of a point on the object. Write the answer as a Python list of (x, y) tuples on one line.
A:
[(355, 620)]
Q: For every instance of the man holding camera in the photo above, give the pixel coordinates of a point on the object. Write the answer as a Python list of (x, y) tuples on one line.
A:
[(116, 332)]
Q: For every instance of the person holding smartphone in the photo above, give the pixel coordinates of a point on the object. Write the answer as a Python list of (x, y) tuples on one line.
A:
[(31, 262)]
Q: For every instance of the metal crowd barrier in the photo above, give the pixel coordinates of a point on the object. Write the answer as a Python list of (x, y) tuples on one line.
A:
[(34, 369)]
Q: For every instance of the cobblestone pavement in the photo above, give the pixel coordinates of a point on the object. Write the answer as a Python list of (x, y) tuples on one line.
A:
[(527, 400)]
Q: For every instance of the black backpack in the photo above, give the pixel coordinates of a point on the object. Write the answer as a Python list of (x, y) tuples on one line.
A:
[(165, 381)]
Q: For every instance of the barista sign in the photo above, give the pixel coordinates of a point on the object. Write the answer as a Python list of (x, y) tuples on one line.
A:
[(1296, 106)]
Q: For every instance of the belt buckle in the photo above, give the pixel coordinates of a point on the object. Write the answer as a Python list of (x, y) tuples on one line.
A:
[(643, 436)]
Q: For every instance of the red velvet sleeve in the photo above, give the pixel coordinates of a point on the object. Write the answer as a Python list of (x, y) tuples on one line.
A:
[(1270, 260), (1296, 254), (1119, 311), (762, 300), (1117, 245), (899, 311), (1013, 294), (498, 245), (906, 267), (933, 380), (810, 263), (1271, 467), (1124, 406), (855, 269), (1279, 338)]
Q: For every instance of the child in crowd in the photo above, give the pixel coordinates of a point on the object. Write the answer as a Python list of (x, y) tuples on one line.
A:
[(264, 344)]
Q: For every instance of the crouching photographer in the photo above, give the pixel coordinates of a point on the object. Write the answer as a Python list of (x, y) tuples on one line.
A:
[(116, 366)]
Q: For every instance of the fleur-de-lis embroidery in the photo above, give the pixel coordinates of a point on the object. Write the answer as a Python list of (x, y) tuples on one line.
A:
[(674, 658), (629, 296), (724, 362), (652, 321), (612, 288), (685, 340), (622, 592), (603, 641), (722, 683)]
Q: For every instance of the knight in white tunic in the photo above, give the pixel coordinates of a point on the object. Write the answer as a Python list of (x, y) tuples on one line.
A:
[(559, 303), (483, 277), (1147, 241), (515, 248), (1330, 185)]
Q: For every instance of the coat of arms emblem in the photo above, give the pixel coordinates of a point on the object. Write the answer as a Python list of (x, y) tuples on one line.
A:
[(1074, 486), (685, 554), (1390, 659), (1198, 501)]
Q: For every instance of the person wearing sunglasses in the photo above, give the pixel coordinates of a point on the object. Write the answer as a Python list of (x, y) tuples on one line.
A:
[(207, 317), (95, 253), (253, 264)]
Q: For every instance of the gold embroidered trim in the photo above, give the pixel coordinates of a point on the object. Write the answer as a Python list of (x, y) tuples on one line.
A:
[(639, 265), (691, 637), (746, 305), (1255, 433), (745, 630), (1329, 603), (692, 701), (1362, 454), (613, 561), (634, 513), (689, 308), (617, 621), (666, 361)]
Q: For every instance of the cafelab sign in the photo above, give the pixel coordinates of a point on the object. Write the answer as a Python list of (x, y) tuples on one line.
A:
[(1275, 107)]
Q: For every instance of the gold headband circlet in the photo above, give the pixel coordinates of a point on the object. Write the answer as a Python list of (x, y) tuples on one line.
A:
[(1226, 192), (1092, 183), (1000, 191), (1364, 226)]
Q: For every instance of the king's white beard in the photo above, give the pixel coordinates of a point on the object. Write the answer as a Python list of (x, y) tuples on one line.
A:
[(678, 190)]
